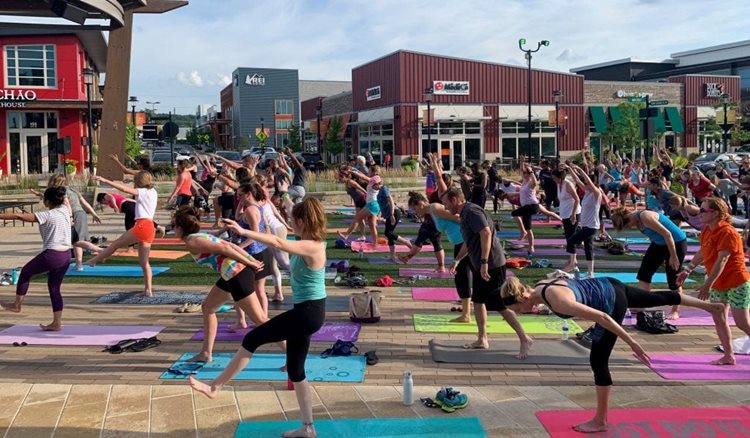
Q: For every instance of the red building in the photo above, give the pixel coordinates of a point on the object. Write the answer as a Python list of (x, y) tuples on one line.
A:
[(44, 97)]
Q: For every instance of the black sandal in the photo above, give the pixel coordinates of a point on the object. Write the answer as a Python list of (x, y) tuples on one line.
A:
[(372, 358), (428, 402), (145, 344)]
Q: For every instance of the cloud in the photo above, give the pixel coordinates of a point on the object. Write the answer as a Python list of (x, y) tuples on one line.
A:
[(192, 80), (569, 55)]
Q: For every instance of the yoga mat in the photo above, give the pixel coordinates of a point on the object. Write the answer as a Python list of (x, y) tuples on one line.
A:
[(629, 277), (542, 242), (640, 240), (329, 275), (643, 248), (698, 367), (160, 297), (688, 317), (506, 234), (504, 351), (77, 334), (558, 252), (432, 427), (367, 248), (265, 367), (330, 332), (168, 241), (429, 272), (112, 271), (333, 304), (165, 254), (721, 422), (418, 260), (434, 294), (533, 324)]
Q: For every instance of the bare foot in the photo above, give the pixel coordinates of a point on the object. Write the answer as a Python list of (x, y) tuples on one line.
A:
[(725, 360), (91, 263), (146, 293), (531, 250), (204, 388), (11, 307), (404, 259), (200, 357), (306, 431), (343, 236), (51, 327), (440, 269), (277, 298), (237, 326), (477, 345), (673, 315), (525, 348), (591, 426), (462, 318)]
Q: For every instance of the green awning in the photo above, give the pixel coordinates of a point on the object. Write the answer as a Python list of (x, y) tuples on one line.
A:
[(599, 118), (659, 124), (614, 112), (673, 114)]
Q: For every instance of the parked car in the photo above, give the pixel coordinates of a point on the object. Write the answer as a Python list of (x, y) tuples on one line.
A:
[(230, 155), (311, 160), (708, 168), (711, 157), (160, 157)]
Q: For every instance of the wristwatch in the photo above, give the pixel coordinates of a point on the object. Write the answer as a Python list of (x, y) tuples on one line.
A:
[(483, 261)]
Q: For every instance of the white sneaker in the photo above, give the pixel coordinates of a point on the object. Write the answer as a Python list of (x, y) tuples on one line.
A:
[(79, 268)]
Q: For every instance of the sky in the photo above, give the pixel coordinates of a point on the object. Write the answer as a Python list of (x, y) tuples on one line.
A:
[(185, 57)]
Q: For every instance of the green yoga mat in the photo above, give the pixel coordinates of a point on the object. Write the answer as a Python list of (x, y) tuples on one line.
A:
[(467, 427), (532, 324)]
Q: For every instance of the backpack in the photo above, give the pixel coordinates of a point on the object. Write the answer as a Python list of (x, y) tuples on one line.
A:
[(342, 244), (340, 348), (654, 323), (617, 248), (364, 307)]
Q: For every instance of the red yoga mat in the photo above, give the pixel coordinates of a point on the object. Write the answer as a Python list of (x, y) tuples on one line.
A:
[(733, 421)]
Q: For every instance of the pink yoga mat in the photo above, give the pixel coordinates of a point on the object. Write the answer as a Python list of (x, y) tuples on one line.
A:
[(168, 241), (721, 422), (643, 248), (77, 334), (330, 332), (698, 367), (688, 317), (367, 248), (434, 294)]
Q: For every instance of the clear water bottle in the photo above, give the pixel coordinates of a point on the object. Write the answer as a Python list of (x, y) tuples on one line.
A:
[(408, 397), (628, 317), (361, 250), (576, 273), (565, 330)]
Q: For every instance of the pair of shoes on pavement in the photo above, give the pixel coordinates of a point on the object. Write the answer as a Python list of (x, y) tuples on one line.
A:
[(6, 279), (451, 400)]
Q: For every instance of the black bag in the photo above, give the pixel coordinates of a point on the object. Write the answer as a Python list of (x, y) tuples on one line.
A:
[(340, 348), (654, 323), (617, 248)]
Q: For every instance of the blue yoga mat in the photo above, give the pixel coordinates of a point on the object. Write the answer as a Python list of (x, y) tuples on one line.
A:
[(629, 277), (640, 240), (112, 271), (432, 427), (265, 367), (505, 234)]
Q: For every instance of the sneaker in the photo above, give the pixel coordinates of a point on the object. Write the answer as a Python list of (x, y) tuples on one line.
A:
[(79, 268), (451, 400)]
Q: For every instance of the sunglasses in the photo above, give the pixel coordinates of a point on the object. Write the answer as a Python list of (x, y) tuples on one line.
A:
[(706, 210)]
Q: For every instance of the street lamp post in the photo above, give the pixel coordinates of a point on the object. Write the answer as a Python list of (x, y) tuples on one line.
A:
[(428, 92), (556, 95), (528, 53), (88, 79), (318, 121), (153, 107), (725, 127), (133, 100)]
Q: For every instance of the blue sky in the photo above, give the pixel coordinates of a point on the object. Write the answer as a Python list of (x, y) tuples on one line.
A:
[(183, 58)]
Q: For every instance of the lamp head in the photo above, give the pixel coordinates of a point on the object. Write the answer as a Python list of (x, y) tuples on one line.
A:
[(521, 42), (545, 43), (133, 99), (88, 76)]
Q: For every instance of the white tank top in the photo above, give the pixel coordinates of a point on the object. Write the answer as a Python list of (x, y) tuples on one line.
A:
[(273, 222), (566, 200), (590, 205), (527, 195)]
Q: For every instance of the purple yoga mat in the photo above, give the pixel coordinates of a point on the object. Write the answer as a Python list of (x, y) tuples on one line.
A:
[(367, 248), (693, 317), (77, 334), (643, 248), (538, 242), (434, 294), (698, 367), (330, 332), (429, 272)]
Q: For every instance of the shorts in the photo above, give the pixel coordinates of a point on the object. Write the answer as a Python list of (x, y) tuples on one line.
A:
[(144, 230), (265, 256), (80, 222), (737, 297), (373, 207), (488, 292), (359, 202), (428, 231), (240, 286), (183, 200)]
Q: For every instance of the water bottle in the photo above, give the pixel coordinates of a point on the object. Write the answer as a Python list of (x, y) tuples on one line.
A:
[(408, 388), (565, 330), (628, 317), (576, 273), (361, 250), (14, 275)]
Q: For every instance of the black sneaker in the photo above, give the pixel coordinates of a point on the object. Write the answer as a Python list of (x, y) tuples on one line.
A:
[(585, 337)]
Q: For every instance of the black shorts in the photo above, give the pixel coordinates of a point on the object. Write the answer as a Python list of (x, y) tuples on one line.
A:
[(658, 255), (240, 286), (128, 209), (526, 212), (265, 256), (428, 232), (359, 202), (488, 292)]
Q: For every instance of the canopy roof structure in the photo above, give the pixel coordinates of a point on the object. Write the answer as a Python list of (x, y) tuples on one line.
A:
[(79, 11)]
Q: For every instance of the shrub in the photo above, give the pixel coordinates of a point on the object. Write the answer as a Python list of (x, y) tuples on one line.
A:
[(164, 169), (409, 164)]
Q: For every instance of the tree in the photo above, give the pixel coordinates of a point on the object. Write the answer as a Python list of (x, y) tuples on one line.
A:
[(624, 134), (197, 136), (334, 145), (132, 143), (295, 141)]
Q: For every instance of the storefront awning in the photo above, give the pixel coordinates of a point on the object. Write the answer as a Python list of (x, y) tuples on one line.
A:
[(614, 112), (599, 118), (673, 114), (659, 124)]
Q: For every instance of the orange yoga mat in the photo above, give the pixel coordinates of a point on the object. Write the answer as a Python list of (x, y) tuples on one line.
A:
[(168, 241), (153, 254)]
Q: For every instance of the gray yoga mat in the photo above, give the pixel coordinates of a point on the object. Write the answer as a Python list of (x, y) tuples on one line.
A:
[(333, 304), (544, 352), (160, 297)]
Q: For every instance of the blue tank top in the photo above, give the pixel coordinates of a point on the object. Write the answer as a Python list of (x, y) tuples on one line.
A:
[(255, 247), (597, 293), (677, 234), (451, 229), (307, 284)]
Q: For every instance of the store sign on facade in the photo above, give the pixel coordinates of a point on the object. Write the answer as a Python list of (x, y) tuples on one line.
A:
[(16, 98), (373, 93), (256, 79), (622, 94), (714, 89), (450, 87)]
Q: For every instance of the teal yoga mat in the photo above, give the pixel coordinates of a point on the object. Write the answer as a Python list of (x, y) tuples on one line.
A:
[(265, 367), (640, 240), (432, 427), (629, 277), (112, 271)]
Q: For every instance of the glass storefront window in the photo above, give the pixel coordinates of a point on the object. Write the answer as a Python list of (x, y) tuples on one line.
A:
[(14, 138), (52, 152), (33, 120), (545, 127), (14, 120), (387, 130), (509, 148), (31, 66), (508, 128), (51, 120), (473, 149), (283, 124), (473, 128), (364, 131), (548, 146)]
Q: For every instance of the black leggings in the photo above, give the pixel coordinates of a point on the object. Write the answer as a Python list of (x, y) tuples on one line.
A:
[(128, 209), (526, 212), (603, 341), (657, 255), (463, 274), (295, 326), (391, 227), (568, 228), (585, 235)]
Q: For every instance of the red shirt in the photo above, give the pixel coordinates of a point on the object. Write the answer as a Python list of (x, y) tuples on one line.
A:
[(724, 238), (702, 189)]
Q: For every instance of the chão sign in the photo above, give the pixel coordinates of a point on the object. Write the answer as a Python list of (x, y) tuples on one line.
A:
[(16, 98)]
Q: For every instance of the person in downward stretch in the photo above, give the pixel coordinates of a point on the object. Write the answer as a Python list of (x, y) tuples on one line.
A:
[(296, 326)]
